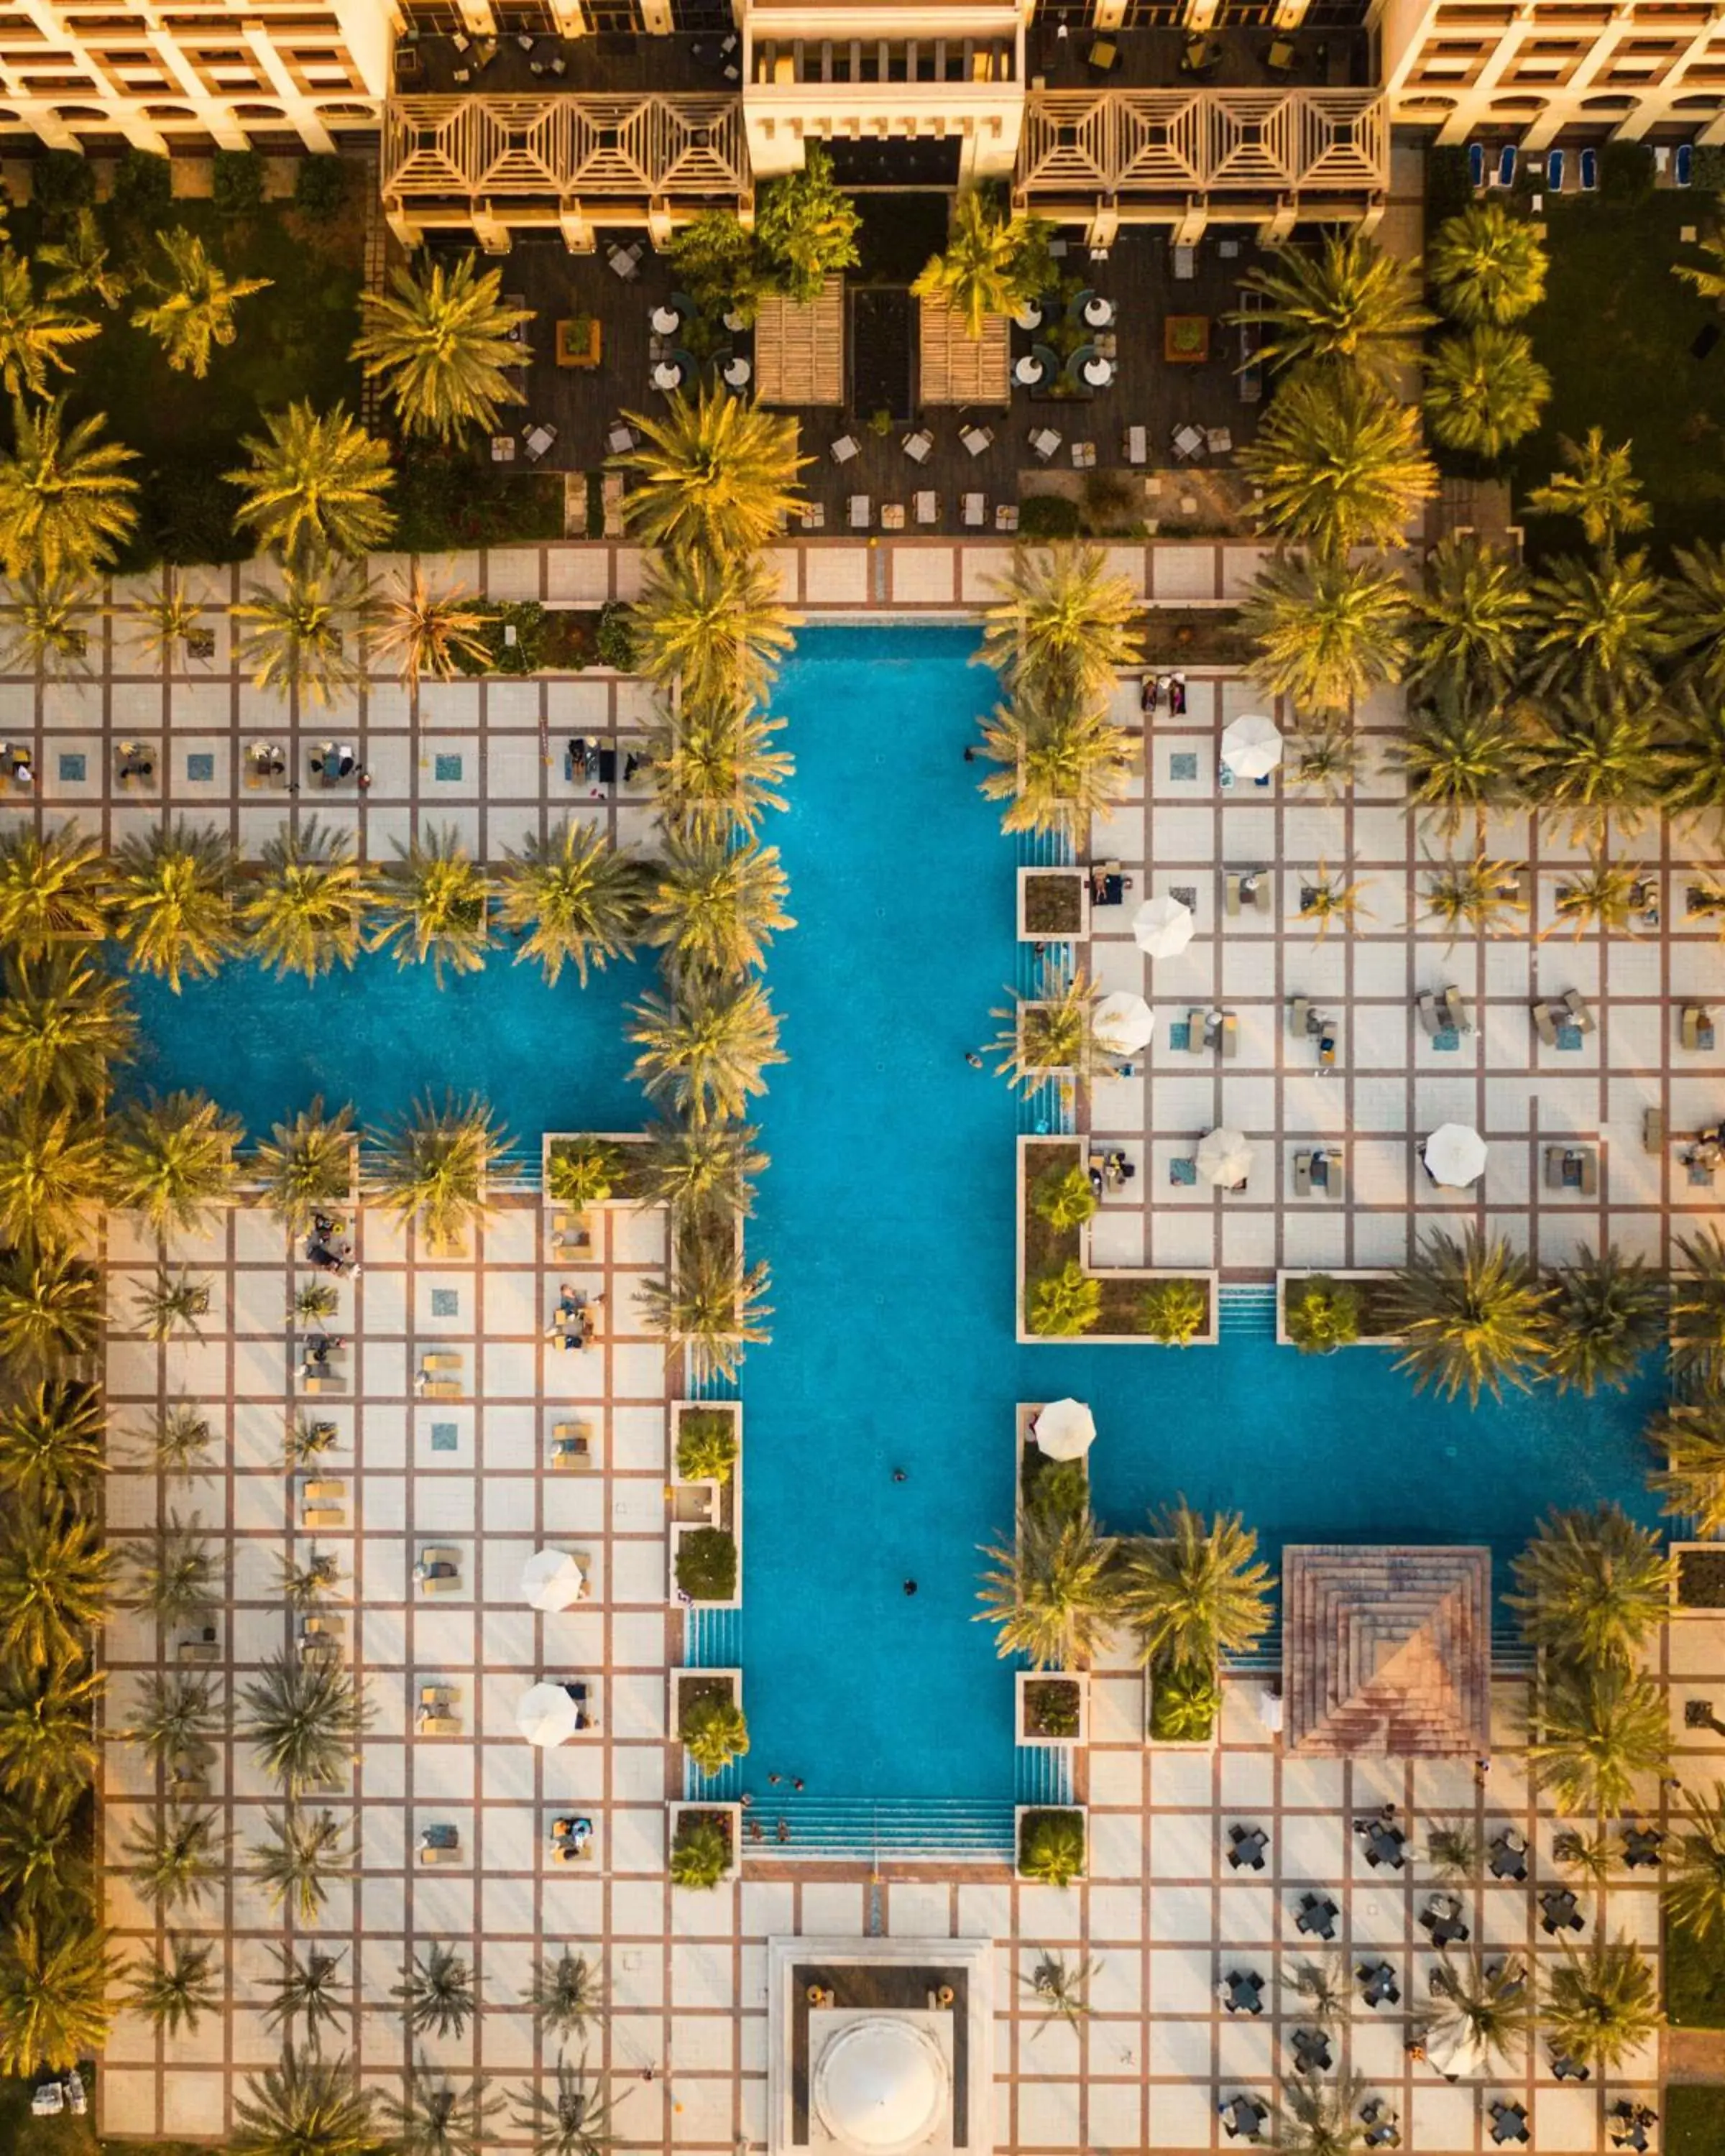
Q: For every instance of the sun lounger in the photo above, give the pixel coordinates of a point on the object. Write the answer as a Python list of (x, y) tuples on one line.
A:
[(440, 1389), (441, 1583), (439, 1853), (1544, 1024), (1426, 1004), (1555, 1157), (1302, 1175), (323, 1516), (1653, 1130), (1230, 891), (1330, 1175), (1577, 1006), (1299, 1010), (324, 1491), (1698, 1028), (200, 1650), (569, 1231), (326, 1623), (320, 1381), (430, 1363), (1455, 1008), (1589, 1171), (438, 1725), (1196, 1042), (1230, 1037), (1262, 887)]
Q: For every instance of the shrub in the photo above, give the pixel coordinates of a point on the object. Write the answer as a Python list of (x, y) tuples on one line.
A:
[(143, 184), (706, 1446), (1185, 1700), (1051, 1707), (706, 1565), (1449, 186), (1064, 1303), (714, 1730), (1323, 1314), (1173, 1311), (700, 1850), (1112, 501), (1051, 1846), (1064, 1198), (188, 515), (1708, 170), (238, 187), (318, 184), (616, 638), (1049, 516), (1055, 1489), (584, 1175), (1626, 172), (523, 653), (62, 181)]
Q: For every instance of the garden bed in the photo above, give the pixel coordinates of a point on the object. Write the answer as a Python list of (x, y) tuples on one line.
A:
[(1183, 1708), (728, 1818), (1037, 1828), (1694, 2122), (1178, 637), (1054, 904), (1376, 1328), (705, 1565), (1699, 1582), (594, 1168), (1052, 1707), (1694, 1972), (1043, 1247)]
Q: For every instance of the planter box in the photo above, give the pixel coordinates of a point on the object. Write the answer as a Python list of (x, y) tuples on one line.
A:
[(1175, 1743), (1709, 1554), (1341, 1274), (701, 1502), (1079, 1811), (680, 1530), (1185, 340), (674, 1681), (556, 1141), (1026, 1683), (732, 1816), (1145, 1275), (1077, 881), (578, 343)]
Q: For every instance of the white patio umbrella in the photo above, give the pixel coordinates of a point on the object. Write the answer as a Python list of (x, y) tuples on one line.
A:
[(1251, 745), (544, 1714), (1455, 1154), (1163, 927), (552, 1579), (1224, 1157), (1122, 1023), (1065, 1430), (1453, 2049)]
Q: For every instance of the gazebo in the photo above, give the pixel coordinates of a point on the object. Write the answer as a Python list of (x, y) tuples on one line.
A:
[(1387, 1650)]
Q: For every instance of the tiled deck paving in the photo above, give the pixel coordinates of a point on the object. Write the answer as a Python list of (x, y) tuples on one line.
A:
[(1161, 1912)]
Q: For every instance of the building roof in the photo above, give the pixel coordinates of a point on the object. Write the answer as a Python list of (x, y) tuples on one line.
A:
[(881, 2085), (1387, 1650)]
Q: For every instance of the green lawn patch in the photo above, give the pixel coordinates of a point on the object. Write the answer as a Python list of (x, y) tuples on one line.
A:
[(1615, 329), (1694, 2122), (1694, 1982)]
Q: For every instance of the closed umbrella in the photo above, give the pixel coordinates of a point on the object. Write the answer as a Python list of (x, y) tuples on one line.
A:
[(1455, 1155), (545, 1714), (1453, 2049), (1065, 1430), (1251, 745), (1163, 927), (1224, 1157), (552, 1579), (1122, 1023)]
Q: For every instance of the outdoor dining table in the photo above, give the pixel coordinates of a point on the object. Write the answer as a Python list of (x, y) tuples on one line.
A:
[(1188, 441), (1243, 2117), (1098, 313), (1384, 1844), (1559, 1911), (1509, 1857), (736, 372), (1316, 1917), (1640, 1847), (1098, 370), (1378, 1985), (1029, 316), (666, 321), (1029, 371)]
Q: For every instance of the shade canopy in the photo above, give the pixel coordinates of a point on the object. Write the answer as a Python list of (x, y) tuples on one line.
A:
[(1163, 927), (1251, 745), (1455, 1154), (545, 1714), (1122, 1023), (1453, 2049), (882, 2086), (1224, 1157), (552, 1579), (1065, 1430)]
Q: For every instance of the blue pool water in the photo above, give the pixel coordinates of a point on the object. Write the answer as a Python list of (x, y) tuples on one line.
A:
[(887, 1217)]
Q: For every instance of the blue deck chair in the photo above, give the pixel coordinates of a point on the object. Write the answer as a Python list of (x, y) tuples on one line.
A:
[(1506, 177), (1590, 171), (1476, 164), (1683, 166), (1554, 171)]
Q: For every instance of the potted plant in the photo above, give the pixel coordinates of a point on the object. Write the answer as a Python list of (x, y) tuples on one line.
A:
[(704, 1842), (1054, 905), (706, 1564), (706, 1711), (707, 1443), (1182, 1702), (1322, 1314), (1051, 1843), (1053, 1707)]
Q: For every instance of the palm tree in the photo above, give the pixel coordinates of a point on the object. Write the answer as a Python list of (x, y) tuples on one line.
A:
[(574, 2120), (172, 1302), (297, 1866), (176, 1576), (172, 1159), (1489, 2009), (715, 768), (176, 1718), (710, 1303), (714, 475), (300, 635), (1470, 617), (304, 2108), (443, 343), (66, 507), (574, 899), (50, 890), (1593, 759), (1057, 770), (716, 624), (1332, 896), (429, 632), (992, 264), (1320, 2118), (50, 1175), (1604, 895), (1485, 390), (700, 1851), (1340, 462), (1326, 630), (1698, 1333), (1695, 1889), (437, 2116), (1324, 754), (1691, 1433), (55, 1577), (1598, 1728), (305, 1167), (565, 1994), (1592, 1586), (436, 1993), (310, 1989), (1603, 2006), (1607, 1312), (1598, 624), (1695, 611), (1053, 1031), (50, 1307), (64, 1021), (42, 1864), (306, 911), (1051, 1595), (174, 1992), (193, 311), (35, 331), (713, 1731), (175, 1855), (703, 1051), (1064, 1990), (436, 906), (50, 630), (1192, 1589), (1476, 895), (1485, 265), (714, 908), (1473, 1315), (53, 1984), (1597, 488), (1063, 1302), (1709, 283), (83, 260), (703, 1172), (304, 1720), (314, 486), (308, 1586), (1061, 625), (52, 1443), (1350, 301), (433, 1163), (170, 903), (48, 1731), (1692, 753)]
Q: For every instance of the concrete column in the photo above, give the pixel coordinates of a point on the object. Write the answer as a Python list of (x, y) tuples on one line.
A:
[(578, 234), (491, 233)]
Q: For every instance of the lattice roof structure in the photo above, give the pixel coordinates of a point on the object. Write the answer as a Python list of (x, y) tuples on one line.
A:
[(800, 350), (956, 368), (504, 149), (1183, 142)]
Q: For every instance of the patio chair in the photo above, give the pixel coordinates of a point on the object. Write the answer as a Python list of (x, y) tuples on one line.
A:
[(1576, 1004), (1426, 1004), (1653, 1136), (1329, 1174), (1302, 1175), (1453, 1005), (1230, 1037), (1505, 175), (1196, 1038), (862, 512), (1299, 1010), (1544, 1024), (1476, 164)]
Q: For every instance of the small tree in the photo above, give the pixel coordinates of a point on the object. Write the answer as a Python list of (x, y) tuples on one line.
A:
[(1600, 1728), (175, 1991), (701, 1851), (1602, 2006), (1607, 1312), (1063, 1197), (1051, 1595), (1322, 1315), (1194, 1589), (436, 1993), (806, 227), (567, 1994), (1065, 1302), (1591, 1587), (706, 1446), (1052, 1848), (713, 1732), (1695, 1889), (1063, 1987), (1173, 1312)]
